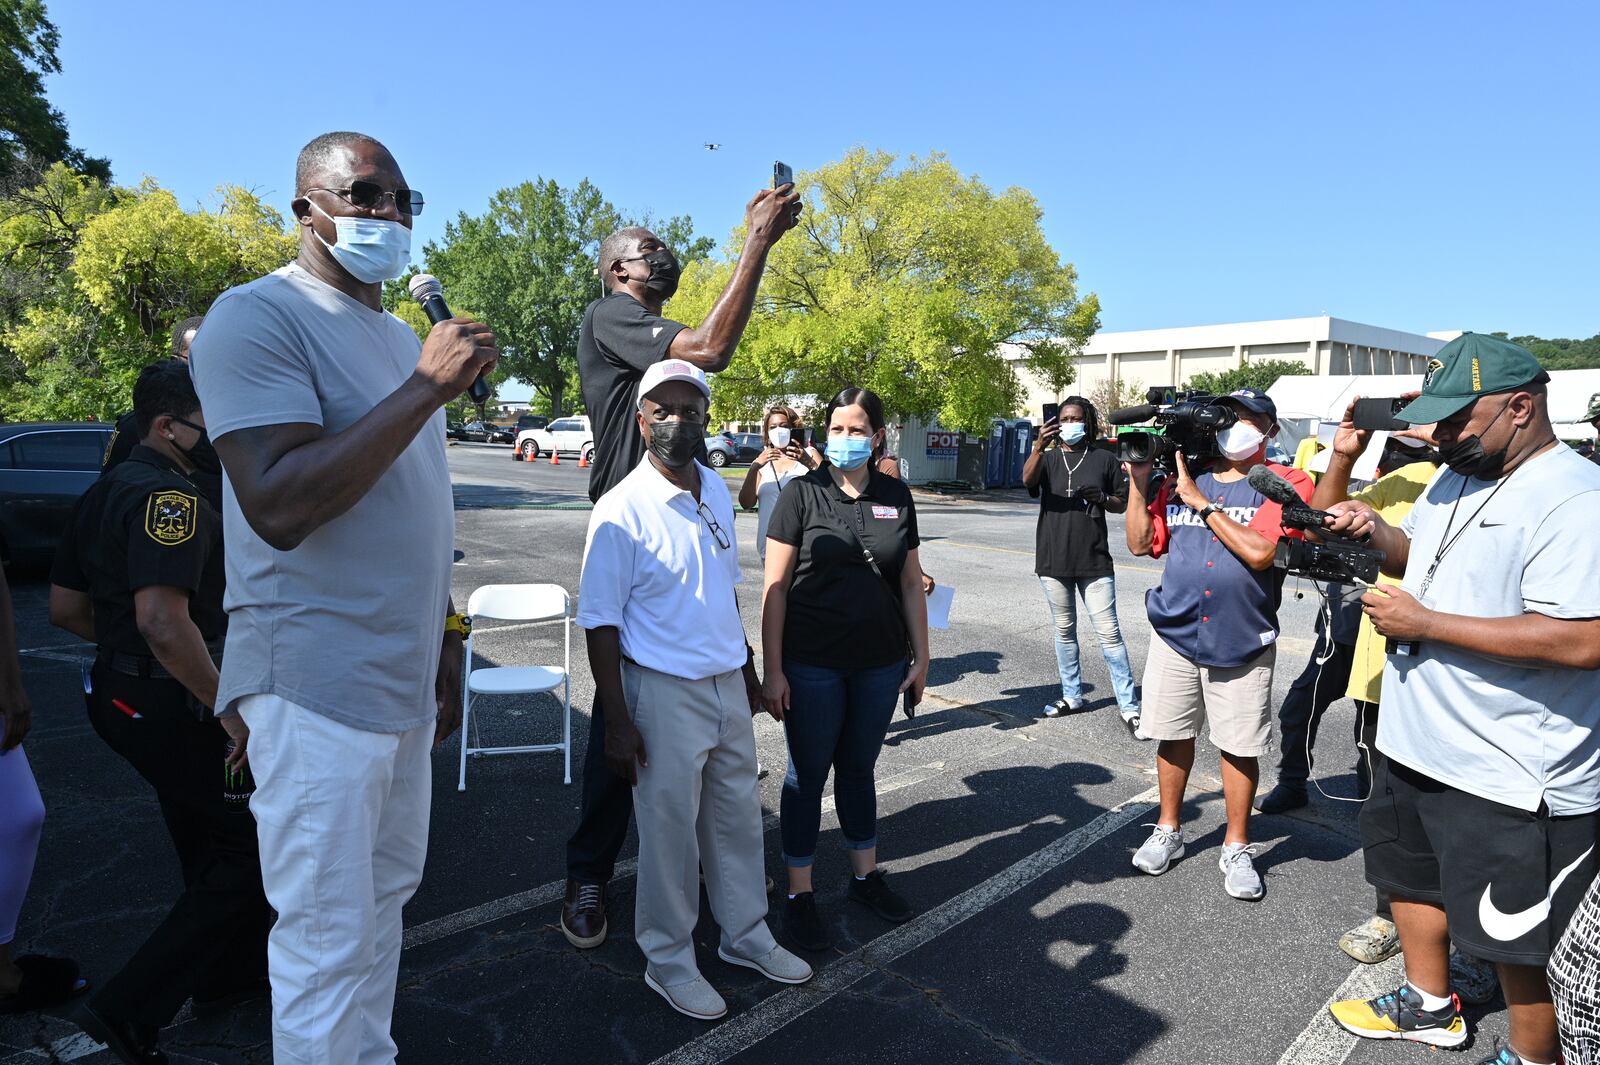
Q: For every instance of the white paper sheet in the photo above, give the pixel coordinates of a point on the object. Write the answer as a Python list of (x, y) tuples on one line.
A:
[(939, 606)]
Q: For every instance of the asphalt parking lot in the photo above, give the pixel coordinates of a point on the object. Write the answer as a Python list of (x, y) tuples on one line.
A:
[(1036, 941)]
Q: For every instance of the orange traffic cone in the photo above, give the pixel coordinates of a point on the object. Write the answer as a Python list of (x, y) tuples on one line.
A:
[(583, 460), (555, 459)]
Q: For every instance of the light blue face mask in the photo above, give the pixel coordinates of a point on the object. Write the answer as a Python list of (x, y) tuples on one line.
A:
[(370, 249), (1072, 432), (849, 452)]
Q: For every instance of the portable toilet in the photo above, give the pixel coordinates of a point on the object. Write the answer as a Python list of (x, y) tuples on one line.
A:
[(999, 457), (1023, 434)]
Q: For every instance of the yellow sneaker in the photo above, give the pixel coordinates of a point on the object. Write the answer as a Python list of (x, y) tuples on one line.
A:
[(1399, 1015)]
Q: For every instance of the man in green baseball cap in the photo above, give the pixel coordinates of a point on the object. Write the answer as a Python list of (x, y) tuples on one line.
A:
[(1485, 798), (1468, 388)]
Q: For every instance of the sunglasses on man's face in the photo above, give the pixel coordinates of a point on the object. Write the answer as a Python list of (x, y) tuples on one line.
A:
[(369, 196)]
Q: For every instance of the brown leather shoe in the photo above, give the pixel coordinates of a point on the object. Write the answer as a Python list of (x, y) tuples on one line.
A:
[(583, 915)]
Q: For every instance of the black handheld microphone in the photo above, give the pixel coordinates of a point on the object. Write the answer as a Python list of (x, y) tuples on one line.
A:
[(426, 290), (1133, 415)]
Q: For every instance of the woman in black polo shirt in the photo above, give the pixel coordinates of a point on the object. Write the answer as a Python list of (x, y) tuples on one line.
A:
[(837, 626)]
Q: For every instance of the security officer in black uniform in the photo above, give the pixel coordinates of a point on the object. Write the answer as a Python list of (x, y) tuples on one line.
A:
[(125, 435), (140, 573)]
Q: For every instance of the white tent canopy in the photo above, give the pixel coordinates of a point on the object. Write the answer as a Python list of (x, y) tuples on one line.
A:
[(1303, 402)]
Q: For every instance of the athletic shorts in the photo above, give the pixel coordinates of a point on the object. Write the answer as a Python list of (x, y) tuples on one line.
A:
[(1508, 879), (1236, 702)]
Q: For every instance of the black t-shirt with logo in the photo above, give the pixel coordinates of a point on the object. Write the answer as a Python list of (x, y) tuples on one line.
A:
[(619, 341), (840, 613), (1070, 538), (143, 524)]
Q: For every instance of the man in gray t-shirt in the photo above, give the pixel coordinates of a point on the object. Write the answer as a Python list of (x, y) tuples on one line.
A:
[(343, 659), (1486, 803)]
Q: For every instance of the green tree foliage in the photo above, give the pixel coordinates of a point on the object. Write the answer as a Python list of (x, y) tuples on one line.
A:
[(1561, 354), (528, 264), (905, 278), (105, 275), (30, 129), (1259, 375), (1110, 395)]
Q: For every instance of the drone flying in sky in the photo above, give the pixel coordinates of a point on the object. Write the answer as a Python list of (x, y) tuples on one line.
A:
[(712, 147)]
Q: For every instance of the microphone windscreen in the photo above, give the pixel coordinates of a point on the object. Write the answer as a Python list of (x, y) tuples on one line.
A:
[(1132, 415), (1272, 486), (424, 285)]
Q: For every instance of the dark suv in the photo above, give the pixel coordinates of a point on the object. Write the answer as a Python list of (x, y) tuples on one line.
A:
[(532, 421), (44, 468)]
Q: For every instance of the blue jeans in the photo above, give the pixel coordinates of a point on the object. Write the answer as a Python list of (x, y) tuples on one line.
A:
[(837, 718), (1100, 599)]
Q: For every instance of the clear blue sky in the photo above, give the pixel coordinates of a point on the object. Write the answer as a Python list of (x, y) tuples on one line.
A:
[(1413, 165)]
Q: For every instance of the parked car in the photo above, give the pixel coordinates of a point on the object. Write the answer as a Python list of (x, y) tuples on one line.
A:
[(452, 430), (564, 436), (723, 449), (501, 434), (475, 432), (44, 468), (532, 421)]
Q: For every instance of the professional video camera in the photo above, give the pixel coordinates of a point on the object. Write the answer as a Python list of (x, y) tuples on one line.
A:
[(1340, 559), (1190, 421)]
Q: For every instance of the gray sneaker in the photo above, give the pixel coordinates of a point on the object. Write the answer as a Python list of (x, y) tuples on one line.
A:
[(1239, 874), (1159, 851)]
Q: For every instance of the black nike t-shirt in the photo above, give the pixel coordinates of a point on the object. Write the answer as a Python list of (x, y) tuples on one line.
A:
[(620, 339), (1070, 538)]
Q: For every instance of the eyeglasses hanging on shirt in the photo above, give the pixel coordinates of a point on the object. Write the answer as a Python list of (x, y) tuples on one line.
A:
[(711, 523)]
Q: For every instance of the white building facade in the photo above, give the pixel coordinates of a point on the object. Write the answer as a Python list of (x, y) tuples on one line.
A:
[(1149, 357)]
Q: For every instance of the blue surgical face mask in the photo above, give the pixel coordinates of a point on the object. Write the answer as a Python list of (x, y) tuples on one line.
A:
[(1072, 432), (370, 249), (849, 452)]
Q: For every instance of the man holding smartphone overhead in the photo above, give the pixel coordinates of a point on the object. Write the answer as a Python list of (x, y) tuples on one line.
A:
[(623, 335)]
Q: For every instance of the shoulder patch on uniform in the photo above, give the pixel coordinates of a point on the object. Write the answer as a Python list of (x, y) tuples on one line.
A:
[(169, 517)]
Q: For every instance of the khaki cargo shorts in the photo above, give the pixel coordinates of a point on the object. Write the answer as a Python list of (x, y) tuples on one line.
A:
[(1237, 702)]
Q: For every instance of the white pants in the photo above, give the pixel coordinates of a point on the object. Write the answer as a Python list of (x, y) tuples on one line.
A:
[(698, 806), (342, 815)]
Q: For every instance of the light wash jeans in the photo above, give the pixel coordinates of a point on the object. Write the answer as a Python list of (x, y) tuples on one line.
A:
[(1100, 599)]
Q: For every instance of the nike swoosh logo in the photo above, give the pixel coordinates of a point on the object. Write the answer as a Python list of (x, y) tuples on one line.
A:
[(1510, 926), (656, 331), (1490, 524)]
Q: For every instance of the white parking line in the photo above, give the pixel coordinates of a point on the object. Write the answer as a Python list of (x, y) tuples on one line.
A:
[(1325, 1043), (533, 898), (751, 1027)]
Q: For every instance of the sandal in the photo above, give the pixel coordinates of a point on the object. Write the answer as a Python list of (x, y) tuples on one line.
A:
[(46, 983)]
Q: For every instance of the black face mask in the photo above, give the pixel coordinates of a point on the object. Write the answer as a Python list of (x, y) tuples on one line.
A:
[(664, 273), (201, 455), (1467, 457), (675, 443)]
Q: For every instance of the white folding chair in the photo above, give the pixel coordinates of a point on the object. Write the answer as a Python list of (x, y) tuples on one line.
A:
[(518, 602)]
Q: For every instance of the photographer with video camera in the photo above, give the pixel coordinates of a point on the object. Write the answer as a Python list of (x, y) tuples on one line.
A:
[(1214, 614), (1484, 809)]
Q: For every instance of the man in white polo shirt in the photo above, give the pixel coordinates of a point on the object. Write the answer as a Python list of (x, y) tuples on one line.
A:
[(661, 561), (1486, 800)]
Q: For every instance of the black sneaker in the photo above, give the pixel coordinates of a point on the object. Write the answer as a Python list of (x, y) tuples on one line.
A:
[(800, 920), (875, 892), (1282, 799)]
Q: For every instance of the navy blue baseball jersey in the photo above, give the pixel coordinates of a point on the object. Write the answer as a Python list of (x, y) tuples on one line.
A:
[(1210, 607)]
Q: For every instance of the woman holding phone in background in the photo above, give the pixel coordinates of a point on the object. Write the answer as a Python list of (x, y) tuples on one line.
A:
[(784, 458), (841, 608)]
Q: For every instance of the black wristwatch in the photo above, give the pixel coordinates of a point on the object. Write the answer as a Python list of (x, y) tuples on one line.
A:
[(1210, 509)]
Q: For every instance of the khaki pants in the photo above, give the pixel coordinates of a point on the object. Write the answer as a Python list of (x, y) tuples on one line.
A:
[(1237, 702), (697, 807)]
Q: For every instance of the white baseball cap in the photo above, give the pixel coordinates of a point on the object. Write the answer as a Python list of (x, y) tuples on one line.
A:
[(673, 370)]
